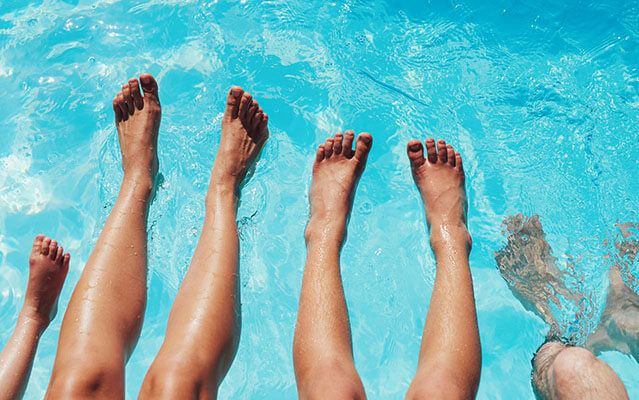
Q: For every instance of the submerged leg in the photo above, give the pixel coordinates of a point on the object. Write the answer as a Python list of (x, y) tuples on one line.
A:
[(204, 325), (103, 321), (450, 356), (48, 267), (322, 350), (574, 373)]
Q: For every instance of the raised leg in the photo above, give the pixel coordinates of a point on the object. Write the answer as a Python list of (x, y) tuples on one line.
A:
[(204, 325), (48, 267), (450, 355), (103, 321), (574, 373), (322, 350)]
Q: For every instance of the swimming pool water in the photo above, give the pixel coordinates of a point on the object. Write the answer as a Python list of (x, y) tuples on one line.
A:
[(542, 100)]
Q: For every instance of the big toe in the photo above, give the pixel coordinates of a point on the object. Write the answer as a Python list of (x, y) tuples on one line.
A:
[(415, 151), (150, 87), (363, 146), (233, 101)]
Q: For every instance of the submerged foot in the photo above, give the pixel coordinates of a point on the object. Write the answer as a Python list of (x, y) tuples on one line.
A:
[(137, 118), (244, 132), (439, 176), (48, 267), (336, 172)]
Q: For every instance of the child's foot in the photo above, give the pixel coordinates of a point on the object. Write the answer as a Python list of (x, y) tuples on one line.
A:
[(244, 132), (48, 267), (137, 118), (440, 179), (336, 171)]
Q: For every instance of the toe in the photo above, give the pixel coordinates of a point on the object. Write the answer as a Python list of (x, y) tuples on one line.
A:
[(257, 118), (136, 93), (431, 151), (458, 161), (123, 108), (328, 147), (128, 100), (44, 246), (441, 151), (319, 156), (53, 249), (450, 155), (363, 146), (264, 124), (347, 148), (150, 87), (116, 109), (250, 113), (415, 150), (245, 103), (337, 143), (233, 102), (58, 254), (65, 261), (37, 242)]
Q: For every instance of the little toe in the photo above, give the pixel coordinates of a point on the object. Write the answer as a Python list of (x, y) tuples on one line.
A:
[(347, 147), (233, 102), (458, 161), (44, 247), (117, 110), (450, 155), (441, 151), (415, 150), (431, 150), (136, 93), (264, 124), (363, 146), (245, 103), (337, 143), (328, 148), (65, 261)]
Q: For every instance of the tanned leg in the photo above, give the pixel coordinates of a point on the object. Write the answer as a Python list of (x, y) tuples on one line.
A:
[(450, 356), (48, 267), (103, 321), (322, 349), (204, 324)]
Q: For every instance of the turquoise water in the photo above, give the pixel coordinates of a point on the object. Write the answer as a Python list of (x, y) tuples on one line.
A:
[(541, 99)]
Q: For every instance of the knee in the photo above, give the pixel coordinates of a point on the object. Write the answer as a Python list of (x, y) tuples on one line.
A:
[(87, 381), (331, 380), (169, 383), (571, 363)]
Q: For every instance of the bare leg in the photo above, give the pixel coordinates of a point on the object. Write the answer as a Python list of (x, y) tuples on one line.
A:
[(104, 317), (450, 355), (204, 324), (322, 349), (48, 267), (574, 373)]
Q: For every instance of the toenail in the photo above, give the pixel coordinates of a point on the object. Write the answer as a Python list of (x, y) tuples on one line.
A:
[(235, 92)]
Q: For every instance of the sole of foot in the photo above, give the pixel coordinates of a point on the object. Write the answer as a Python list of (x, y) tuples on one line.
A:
[(439, 176), (48, 267), (336, 172), (137, 119), (244, 133)]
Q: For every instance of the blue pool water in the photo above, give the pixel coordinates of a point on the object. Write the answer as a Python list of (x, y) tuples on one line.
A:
[(541, 98)]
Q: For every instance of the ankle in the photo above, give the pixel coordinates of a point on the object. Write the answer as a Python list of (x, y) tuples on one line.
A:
[(450, 237), (325, 229), (30, 316), (139, 180)]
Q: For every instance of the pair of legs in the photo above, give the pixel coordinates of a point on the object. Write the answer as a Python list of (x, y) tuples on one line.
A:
[(48, 267), (104, 317), (450, 355), (561, 371)]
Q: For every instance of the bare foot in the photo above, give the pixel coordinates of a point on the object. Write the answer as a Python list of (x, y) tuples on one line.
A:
[(244, 132), (336, 172), (440, 179), (48, 267), (137, 119)]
